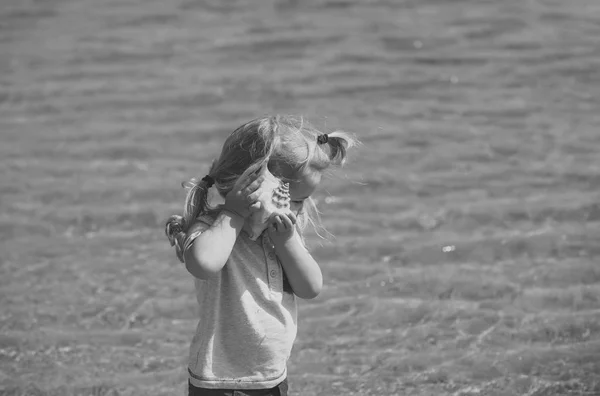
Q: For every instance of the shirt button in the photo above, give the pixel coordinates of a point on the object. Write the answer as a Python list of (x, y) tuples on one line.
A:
[(273, 273), (272, 256)]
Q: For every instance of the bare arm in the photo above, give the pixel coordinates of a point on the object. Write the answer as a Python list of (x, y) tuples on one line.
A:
[(303, 272), (211, 249)]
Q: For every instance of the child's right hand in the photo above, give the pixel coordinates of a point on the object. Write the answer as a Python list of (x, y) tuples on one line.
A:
[(242, 199)]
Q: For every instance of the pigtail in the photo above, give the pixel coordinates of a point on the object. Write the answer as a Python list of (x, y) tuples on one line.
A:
[(174, 230), (196, 203), (338, 143)]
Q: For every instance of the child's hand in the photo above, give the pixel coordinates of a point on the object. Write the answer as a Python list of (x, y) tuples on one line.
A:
[(282, 227), (242, 199)]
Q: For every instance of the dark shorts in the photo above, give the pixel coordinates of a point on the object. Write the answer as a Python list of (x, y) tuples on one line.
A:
[(279, 390)]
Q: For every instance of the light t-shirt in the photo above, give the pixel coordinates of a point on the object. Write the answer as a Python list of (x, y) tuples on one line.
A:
[(248, 319)]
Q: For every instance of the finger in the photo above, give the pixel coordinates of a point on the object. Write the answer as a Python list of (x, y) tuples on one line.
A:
[(252, 197), (243, 182), (292, 218), (255, 207), (287, 222), (261, 169), (278, 223), (252, 183), (272, 224), (246, 178), (253, 172), (252, 169), (253, 191), (256, 168)]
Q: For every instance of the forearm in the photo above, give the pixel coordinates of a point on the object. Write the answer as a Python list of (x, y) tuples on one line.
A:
[(210, 251), (303, 272)]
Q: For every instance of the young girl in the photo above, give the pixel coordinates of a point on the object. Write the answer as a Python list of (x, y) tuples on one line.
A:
[(246, 288)]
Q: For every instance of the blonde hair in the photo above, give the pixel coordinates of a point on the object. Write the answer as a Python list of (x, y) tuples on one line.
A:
[(287, 144)]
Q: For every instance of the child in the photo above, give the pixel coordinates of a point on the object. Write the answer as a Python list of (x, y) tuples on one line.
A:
[(246, 289)]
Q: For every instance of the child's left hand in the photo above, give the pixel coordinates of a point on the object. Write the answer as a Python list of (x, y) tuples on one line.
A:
[(282, 227)]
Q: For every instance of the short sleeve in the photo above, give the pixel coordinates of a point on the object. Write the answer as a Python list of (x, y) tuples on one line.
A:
[(200, 225)]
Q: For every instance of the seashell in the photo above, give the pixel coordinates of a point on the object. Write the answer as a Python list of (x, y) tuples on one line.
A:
[(274, 199)]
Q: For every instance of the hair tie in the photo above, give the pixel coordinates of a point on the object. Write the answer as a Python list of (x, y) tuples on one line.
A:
[(209, 181), (322, 139)]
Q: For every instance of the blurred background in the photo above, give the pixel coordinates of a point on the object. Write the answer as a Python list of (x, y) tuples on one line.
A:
[(466, 226)]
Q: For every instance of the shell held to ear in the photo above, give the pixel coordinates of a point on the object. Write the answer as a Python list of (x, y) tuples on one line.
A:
[(281, 196), (274, 198)]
